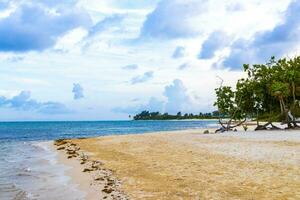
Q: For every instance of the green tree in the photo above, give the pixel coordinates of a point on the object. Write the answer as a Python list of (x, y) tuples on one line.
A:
[(270, 92)]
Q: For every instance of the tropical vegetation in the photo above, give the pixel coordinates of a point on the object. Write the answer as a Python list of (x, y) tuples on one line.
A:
[(270, 92), (146, 115)]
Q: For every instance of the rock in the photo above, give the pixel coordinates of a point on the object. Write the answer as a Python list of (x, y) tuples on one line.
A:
[(87, 170), (60, 142), (83, 156), (72, 156), (82, 162), (99, 179), (71, 152), (206, 132), (107, 190), (60, 148), (96, 164), (110, 182), (83, 159)]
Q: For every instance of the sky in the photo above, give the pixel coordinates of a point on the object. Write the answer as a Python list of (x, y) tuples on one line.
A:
[(108, 59)]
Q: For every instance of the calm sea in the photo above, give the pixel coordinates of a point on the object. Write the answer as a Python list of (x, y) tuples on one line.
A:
[(28, 168)]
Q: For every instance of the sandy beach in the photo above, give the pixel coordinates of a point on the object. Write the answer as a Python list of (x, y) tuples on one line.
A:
[(186, 165)]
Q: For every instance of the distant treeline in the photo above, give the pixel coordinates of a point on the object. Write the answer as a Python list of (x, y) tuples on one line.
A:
[(146, 115)]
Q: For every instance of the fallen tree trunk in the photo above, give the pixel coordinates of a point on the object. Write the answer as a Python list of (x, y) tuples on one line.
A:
[(265, 127), (291, 121), (228, 127)]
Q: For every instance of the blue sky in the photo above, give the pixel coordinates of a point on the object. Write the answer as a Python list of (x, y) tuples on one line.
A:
[(96, 60)]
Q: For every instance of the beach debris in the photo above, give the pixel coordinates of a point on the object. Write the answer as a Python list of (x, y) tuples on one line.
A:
[(221, 130), (82, 162), (245, 127), (108, 190), (60, 142), (206, 132), (99, 179), (104, 177), (61, 148), (267, 126), (87, 170), (97, 164), (69, 151), (110, 182), (83, 156)]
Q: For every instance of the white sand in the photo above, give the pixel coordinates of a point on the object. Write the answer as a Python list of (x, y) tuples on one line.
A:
[(191, 165)]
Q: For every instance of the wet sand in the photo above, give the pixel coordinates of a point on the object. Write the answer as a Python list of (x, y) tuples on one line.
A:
[(78, 177), (191, 165)]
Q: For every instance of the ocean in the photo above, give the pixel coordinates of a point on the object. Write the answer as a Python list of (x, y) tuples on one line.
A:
[(28, 167)]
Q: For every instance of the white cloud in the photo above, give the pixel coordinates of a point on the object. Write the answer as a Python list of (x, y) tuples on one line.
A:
[(102, 60), (142, 78), (77, 91), (23, 101), (159, 24), (183, 66), (32, 27), (177, 97), (179, 52), (131, 67)]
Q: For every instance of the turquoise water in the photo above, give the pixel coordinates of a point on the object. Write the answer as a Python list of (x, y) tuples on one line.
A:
[(36, 131), (28, 168)]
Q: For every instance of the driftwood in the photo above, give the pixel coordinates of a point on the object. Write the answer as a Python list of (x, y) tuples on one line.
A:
[(291, 121), (292, 125), (228, 127), (265, 127)]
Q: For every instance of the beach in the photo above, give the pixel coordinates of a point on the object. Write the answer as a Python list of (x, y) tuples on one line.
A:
[(31, 167), (186, 164)]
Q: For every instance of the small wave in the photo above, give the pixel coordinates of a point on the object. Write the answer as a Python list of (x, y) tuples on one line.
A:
[(21, 195), (43, 145), (11, 191), (23, 174), (28, 171)]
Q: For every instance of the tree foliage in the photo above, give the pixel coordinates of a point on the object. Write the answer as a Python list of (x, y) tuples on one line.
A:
[(269, 92), (146, 115)]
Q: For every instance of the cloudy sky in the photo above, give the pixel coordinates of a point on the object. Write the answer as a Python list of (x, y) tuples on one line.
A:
[(93, 60)]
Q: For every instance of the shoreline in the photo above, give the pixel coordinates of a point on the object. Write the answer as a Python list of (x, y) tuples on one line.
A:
[(74, 172), (89, 175), (85, 181), (110, 153)]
